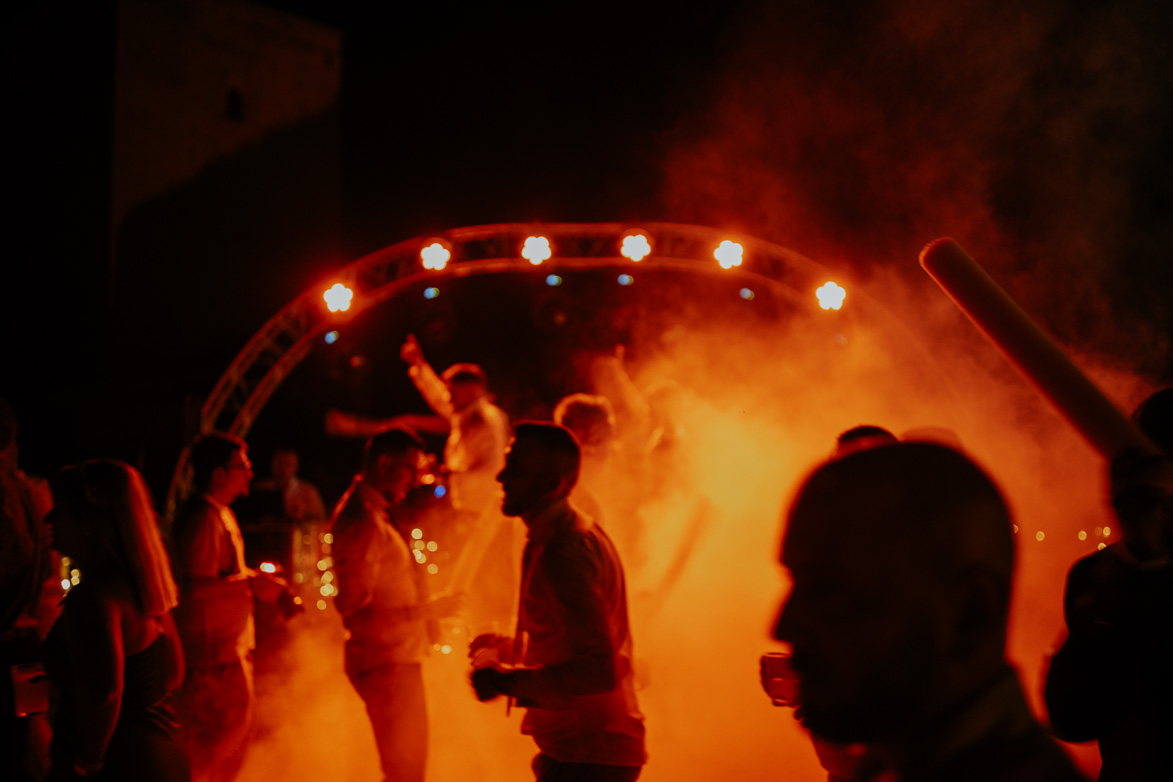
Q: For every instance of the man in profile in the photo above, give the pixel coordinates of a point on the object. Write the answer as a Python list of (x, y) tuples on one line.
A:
[(901, 558), (381, 604), (217, 703), (570, 663)]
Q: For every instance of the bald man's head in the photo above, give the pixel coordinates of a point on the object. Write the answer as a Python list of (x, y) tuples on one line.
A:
[(901, 558)]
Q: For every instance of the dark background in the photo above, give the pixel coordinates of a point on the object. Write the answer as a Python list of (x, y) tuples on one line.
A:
[(850, 132)]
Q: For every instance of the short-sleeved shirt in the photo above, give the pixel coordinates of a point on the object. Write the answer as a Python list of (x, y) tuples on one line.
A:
[(207, 544)]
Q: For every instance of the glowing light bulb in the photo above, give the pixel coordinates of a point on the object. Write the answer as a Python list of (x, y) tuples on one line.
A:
[(746, 294), (417, 534), (636, 247), (1107, 532), (831, 296), (331, 337), (66, 584), (435, 256), (268, 567), (328, 538), (728, 254), (536, 250), (338, 297), (626, 279)]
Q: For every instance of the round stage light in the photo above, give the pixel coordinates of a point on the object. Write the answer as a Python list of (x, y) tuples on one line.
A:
[(626, 279), (728, 254), (435, 255), (536, 249), (636, 247), (338, 297), (553, 280), (331, 337), (831, 296), (746, 294), (431, 293)]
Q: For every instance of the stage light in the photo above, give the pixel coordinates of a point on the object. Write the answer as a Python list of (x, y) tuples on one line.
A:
[(728, 254), (1082, 535), (831, 296), (439, 491), (417, 534), (431, 293), (321, 605), (553, 280), (268, 567), (636, 247), (433, 568), (435, 255), (338, 297), (433, 545), (331, 337), (536, 250), (626, 279), (746, 294)]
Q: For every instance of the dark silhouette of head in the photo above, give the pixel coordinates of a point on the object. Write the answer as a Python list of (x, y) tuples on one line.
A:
[(863, 436), (901, 558), (220, 464), (466, 383), (390, 460), (1154, 417), (541, 467)]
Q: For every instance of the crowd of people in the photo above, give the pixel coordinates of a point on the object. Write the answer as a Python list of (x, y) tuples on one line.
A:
[(900, 552)]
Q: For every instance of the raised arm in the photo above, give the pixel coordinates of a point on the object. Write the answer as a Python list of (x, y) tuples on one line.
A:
[(431, 387)]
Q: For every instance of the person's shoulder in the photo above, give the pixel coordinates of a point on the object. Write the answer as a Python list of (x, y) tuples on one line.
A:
[(194, 512)]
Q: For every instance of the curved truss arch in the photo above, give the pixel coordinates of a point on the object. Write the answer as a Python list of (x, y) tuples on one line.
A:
[(286, 339)]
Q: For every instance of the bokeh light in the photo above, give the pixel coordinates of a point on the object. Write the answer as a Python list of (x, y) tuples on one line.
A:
[(435, 255), (746, 294), (636, 247), (830, 296), (626, 279), (338, 297), (553, 280), (431, 293), (728, 254), (536, 250), (331, 337)]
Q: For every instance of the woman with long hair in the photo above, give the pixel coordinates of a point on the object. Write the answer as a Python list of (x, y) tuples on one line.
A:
[(114, 653)]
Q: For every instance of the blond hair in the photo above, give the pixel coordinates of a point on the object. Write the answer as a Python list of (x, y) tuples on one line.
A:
[(129, 527)]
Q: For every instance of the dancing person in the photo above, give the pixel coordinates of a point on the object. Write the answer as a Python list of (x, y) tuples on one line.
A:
[(114, 654), (217, 703), (570, 663), (1111, 681), (379, 598), (901, 559)]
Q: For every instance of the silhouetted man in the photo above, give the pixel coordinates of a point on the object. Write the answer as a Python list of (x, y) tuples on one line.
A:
[(215, 612), (901, 558), (573, 644), (380, 602), (1112, 680)]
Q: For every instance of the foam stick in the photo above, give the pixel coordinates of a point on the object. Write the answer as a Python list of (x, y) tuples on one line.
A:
[(1034, 354)]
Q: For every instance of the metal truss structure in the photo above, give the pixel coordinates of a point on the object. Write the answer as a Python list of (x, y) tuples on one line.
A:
[(281, 344)]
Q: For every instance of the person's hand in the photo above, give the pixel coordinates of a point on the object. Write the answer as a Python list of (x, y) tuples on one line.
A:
[(441, 606), (1142, 497), (411, 352), (268, 587), (489, 648), (489, 682)]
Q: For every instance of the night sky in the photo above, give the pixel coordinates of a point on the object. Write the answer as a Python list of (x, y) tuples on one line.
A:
[(850, 132)]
